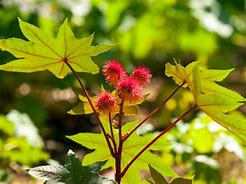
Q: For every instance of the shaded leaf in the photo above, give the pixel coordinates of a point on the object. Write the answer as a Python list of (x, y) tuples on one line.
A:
[(44, 52), (72, 172), (48, 172), (181, 180), (157, 177), (160, 179), (97, 166)]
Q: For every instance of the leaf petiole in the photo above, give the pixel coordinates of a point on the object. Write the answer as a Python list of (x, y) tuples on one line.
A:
[(170, 126), (119, 151), (92, 106), (153, 112)]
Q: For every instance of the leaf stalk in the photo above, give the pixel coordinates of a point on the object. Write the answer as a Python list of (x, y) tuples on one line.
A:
[(170, 126), (92, 107), (153, 112)]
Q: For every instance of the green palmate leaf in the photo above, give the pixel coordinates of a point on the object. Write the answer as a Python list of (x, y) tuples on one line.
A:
[(71, 173), (131, 147), (44, 52), (215, 100)]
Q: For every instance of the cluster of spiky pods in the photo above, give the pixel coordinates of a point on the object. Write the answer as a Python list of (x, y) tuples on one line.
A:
[(127, 87)]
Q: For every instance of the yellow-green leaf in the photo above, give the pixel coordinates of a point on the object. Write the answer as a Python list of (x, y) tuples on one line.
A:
[(223, 103), (179, 73), (215, 100), (44, 52), (195, 80), (130, 148)]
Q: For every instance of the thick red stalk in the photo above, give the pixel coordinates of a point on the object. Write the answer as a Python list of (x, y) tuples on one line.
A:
[(112, 133), (119, 152)]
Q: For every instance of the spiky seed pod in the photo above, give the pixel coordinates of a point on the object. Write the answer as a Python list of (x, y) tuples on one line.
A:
[(105, 102), (114, 72), (141, 75)]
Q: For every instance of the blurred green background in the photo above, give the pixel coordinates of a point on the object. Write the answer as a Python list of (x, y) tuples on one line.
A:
[(146, 32)]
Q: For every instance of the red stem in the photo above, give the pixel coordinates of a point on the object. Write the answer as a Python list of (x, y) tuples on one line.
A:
[(92, 106), (170, 126), (112, 133), (153, 112), (119, 152)]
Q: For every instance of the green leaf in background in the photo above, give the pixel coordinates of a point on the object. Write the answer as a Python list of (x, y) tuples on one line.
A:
[(160, 179), (130, 148), (71, 173), (6, 126), (19, 140), (44, 52), (197, 134), (215, 100)]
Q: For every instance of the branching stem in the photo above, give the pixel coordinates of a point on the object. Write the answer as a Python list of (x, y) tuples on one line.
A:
[(153, 112), (92, 107), (170, 126)]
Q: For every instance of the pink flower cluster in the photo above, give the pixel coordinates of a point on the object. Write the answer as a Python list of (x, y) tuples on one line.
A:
[(128, 87)]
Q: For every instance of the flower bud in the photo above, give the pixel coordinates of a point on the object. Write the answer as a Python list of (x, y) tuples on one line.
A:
[(141, 75)]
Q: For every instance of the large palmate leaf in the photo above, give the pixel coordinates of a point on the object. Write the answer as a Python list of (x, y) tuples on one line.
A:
[(213, 99), (71, 173), (131, 147), (44, 52)]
